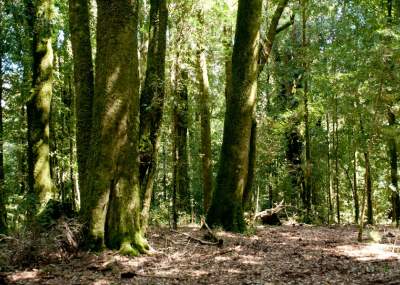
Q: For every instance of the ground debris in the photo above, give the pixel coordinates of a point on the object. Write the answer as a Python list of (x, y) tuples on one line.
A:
[(273, 255)]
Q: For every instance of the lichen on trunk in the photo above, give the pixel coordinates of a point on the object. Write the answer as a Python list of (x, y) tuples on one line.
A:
[(38, 106)]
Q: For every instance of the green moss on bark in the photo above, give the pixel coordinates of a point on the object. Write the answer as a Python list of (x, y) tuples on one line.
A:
[(112, 205), (226, 208)]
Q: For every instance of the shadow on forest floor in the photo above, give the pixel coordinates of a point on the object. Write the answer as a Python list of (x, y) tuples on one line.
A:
[(273, 255)]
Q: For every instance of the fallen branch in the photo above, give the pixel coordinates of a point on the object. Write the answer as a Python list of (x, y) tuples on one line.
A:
[(211, 235), (270, 216), (203, 242)]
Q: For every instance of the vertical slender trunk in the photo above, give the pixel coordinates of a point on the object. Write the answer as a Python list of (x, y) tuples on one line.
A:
[(336, 148), (205, 118), (308, 163), (368, 183), (38, 105), (152, 103), (355, 189), (3, 194), (248, 189), (330, 186), (181, 197), (226, 208), (84, 84), (395, 199)]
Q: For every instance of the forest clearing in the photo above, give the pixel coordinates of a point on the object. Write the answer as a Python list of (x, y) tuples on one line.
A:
[(289, 254), (199, 141)]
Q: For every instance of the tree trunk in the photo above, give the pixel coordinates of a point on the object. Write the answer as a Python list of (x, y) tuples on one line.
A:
[(38, 106), (355, 189), (368, 183), (330, 209), (308, 162), (112, 204), (205, 117), (395, 199), (336, 148), (393, 172), (247, 192), (152, 103), (180, 153), (226, 208), (3, 194), (84, 84)]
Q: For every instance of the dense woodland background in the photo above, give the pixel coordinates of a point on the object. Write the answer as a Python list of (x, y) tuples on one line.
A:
[(135, 112)]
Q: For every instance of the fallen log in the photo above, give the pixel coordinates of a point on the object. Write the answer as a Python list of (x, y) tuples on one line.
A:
[(270, 216)]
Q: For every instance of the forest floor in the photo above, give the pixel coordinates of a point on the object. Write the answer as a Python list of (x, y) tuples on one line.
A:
[(288, 254)]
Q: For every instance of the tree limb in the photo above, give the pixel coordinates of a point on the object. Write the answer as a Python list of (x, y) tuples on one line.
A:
[(267, 43)]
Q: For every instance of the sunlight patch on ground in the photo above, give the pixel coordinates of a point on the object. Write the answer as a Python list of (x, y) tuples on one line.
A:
[(369, 252), (24, 275), (251, 260)]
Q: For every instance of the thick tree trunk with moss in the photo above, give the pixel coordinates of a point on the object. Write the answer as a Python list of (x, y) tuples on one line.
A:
[(226, 208), (152, 103), (205, 117), (180, 152), (3, 194), (38, 106), (112, 204), (84, 82)]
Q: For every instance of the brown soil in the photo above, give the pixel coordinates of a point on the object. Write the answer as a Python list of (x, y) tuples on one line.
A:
[(290, 254)]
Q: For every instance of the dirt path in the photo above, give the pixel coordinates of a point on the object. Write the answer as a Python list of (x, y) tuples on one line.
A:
[(273, 255)]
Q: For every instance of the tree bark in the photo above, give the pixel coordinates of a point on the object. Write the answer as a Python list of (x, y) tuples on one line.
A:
[(180, 153), (3, 194), (84, 83), (226, 208), (355, 189), (330, 206), (205, 116), (38, 106), (248, 189), (336, 148), (112, 204), (393, 172), (152, 103)]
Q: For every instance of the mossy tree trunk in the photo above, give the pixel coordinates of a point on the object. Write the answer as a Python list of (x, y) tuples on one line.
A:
[(205, 117), (152, 103), (226, 208), (181, 199), (83, 81), (264, 52), (3, 195), (112, 203), (38, 105), (248, 190)]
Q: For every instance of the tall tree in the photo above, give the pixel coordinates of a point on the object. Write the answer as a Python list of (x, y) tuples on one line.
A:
[(181, 193), (112, 204), (392, 144), (226, 208), (152, 102), (3, 200), (83, 80), (38, 105), (205, 117)]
